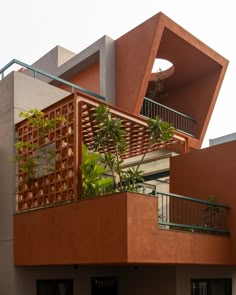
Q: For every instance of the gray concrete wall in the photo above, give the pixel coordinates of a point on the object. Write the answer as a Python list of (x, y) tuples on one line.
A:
[(33, 93), (65, 64), (17, 92), (102, 51), (51, 61), (6, 185), (222, 139)]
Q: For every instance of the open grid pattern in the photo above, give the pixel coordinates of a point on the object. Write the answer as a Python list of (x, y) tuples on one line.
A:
[(137, 133), (63, 183), (58, 185)]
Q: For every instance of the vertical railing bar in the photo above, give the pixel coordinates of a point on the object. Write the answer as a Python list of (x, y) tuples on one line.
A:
[(180, 121), (190, 214)]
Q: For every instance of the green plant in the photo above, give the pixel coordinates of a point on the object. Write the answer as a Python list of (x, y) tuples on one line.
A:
[(210, 212), (157, 88), (35, 159), (110, 141), (93, 181)]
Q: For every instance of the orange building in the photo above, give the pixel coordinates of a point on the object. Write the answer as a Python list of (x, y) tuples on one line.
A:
[(176, 235)]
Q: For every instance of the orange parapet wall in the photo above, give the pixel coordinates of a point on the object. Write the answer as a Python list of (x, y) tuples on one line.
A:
[(120, 228), (208, 173)]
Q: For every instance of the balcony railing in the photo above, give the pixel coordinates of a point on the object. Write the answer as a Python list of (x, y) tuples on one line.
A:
[(37, 72), (183, 213), (181, 122)]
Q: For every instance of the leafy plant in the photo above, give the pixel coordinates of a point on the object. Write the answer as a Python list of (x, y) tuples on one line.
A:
[(93, 181), (38, 158), (157, 88), (110, 141), (211, 212)]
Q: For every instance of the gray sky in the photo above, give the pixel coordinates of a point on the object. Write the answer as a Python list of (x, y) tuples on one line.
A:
[(31, 28)]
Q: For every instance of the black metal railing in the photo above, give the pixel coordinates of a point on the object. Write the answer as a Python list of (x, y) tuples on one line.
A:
[(183, 213), (181, 122)]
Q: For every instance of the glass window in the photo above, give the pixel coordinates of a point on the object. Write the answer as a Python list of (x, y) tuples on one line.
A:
[(104, 286), (211, 287), (54, 287)]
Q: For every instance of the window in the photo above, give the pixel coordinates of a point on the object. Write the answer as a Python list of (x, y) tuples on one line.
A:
[(211, 287), (54, 287), (45, 158), (104, 286)]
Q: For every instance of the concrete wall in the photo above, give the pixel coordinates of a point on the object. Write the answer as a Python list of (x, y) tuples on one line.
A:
[(33, 93), (6, 184), (17, 92), (51, 61), (103, 52), (222, 139), (137, 280), (206, 173), (124, 228), (88, 79)]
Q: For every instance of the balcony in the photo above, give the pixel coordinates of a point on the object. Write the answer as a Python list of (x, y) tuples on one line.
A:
[(53, 224), (181, 122), (63, 183), (117, 228), (177, 212)]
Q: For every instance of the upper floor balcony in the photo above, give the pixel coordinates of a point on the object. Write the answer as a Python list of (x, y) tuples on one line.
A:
[(181, 122), (54, 224)]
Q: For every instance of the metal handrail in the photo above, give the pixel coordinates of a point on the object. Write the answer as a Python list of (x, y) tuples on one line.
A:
[(191, 214), (193, 199), (180, 121), (170, 109), (48, 75)]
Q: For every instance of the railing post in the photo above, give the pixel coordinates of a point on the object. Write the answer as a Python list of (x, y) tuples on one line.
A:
[(181, 122), (193, 215)]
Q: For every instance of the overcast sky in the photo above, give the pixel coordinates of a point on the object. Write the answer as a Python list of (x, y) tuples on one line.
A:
[(31, 28)]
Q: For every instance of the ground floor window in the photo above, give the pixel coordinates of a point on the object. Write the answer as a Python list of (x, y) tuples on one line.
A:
[(54, 287), (211, 287), (104, 286)]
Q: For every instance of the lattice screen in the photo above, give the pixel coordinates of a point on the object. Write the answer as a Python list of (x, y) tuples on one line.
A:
[(59, 184)]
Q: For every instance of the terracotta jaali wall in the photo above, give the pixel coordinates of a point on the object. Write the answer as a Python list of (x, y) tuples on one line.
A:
[(88, 78), (120, 228), (206, 173), (58, 185)]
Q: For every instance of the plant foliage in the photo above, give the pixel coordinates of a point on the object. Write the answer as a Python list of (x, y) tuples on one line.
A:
[(93, 181), (36, 158), (110, 141)]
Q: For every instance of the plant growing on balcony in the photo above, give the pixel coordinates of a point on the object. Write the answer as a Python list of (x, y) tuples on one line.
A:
[(36, 158), (111, 143), (211, 212), (93, 181), (156, 88)]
